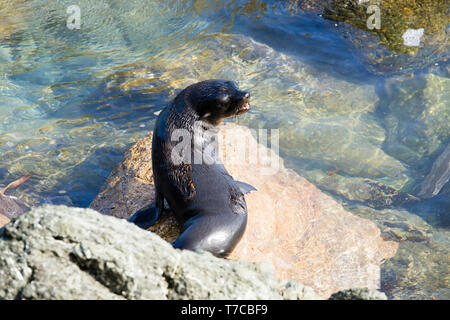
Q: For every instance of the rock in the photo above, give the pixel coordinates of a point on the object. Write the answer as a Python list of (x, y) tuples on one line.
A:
[(397, 225), (419, 269), (304, 233), (358, 294), (3, 220), (57, 252), (370, 192), (438, 176), (418, 118), (435, 210), (11, 207)]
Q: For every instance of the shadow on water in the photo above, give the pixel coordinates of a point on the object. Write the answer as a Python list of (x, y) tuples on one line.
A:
[(132, 112), (307, 36), (83, 182), (123, 110)]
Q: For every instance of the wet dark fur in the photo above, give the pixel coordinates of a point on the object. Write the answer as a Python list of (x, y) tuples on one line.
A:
[(204, 197)]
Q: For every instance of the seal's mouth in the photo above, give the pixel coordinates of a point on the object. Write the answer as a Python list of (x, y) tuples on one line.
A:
[(243, 108), (244, 105)]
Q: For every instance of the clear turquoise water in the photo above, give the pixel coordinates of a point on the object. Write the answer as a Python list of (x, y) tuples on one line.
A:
[(72, 101)]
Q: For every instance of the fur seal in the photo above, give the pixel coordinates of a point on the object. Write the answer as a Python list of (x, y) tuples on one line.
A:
[(205, 199)]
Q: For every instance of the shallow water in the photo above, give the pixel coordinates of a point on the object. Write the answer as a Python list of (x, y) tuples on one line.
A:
[(72, 101)]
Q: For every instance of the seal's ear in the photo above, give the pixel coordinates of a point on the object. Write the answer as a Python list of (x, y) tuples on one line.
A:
[(245, 187), (203, 108)]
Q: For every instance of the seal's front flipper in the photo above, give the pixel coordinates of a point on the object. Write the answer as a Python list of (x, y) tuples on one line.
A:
[(245, 187), (146, 217)]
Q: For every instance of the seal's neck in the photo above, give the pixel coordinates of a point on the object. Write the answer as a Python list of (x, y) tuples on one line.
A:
[(190, 114)]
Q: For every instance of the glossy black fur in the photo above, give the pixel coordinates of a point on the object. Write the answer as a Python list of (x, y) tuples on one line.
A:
[(204, 197)]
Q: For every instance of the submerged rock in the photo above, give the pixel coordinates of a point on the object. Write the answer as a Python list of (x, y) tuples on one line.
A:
[(418, 119), (420, 268), (304, 233), (367, 191), (438, 176), (396, 224), (57, 252)]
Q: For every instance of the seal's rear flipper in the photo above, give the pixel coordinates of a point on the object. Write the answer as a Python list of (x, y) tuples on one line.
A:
[(146, 217), (245, 187)]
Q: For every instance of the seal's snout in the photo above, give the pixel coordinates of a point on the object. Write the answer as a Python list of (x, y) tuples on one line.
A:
[(244, 103)]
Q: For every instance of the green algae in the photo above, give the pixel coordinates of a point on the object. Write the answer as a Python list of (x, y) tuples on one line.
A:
[(397, 16), (383, 49)]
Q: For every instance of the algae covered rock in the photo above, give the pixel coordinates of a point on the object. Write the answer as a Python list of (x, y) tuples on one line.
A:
[(385, 45), (57, 252)]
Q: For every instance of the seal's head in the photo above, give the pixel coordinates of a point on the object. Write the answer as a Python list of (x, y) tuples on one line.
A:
[(215, 100)]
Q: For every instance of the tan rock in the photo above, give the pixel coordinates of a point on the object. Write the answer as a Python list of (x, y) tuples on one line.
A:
[(307, 235), (3, 220)]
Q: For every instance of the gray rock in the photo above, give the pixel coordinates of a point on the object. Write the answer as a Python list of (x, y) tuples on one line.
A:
[(358, 294), (57, 252)]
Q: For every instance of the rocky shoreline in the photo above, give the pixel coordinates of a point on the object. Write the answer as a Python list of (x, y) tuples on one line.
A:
[(57, 252)]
